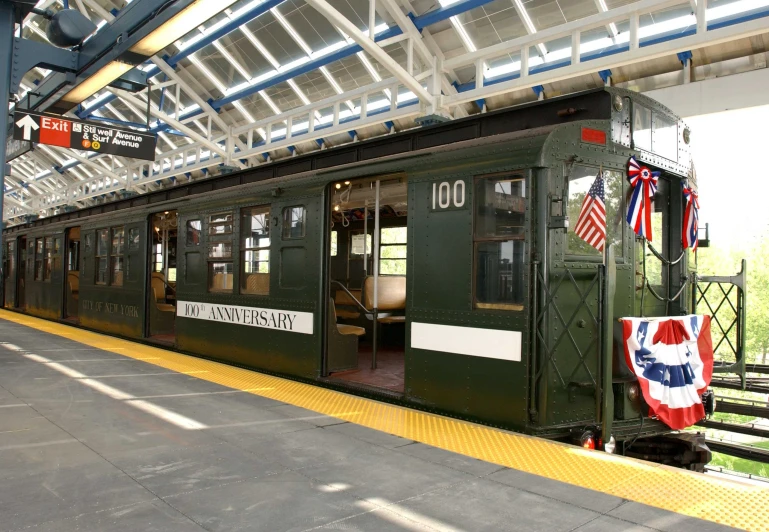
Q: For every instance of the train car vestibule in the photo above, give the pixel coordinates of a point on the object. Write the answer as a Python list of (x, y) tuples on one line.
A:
[(162, 290), (367, 280)]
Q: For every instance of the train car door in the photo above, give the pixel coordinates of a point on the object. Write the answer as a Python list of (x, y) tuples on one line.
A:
[(72, 274), (366, 334), (21, 272), (9, 274), (566, 365)]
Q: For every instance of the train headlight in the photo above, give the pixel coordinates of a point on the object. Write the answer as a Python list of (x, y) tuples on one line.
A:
[(610, 446), (633, 392)]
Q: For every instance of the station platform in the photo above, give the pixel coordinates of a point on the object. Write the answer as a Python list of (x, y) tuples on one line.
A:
[(99, 433)]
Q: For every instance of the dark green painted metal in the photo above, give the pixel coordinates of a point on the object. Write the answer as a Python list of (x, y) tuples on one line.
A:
[(607, 345)]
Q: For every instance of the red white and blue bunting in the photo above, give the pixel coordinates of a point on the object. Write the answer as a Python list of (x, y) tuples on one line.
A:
[(639, 212), (690, 233), (673, 360)]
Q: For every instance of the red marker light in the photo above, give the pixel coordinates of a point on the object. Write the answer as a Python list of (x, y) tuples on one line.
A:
[(587, 441), (593, 136)]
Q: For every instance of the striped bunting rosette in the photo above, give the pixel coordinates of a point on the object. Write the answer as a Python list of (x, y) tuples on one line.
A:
[(639, 211), (591, 223), (673, 360)]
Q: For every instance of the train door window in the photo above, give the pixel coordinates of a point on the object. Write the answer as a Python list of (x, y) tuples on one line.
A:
[(38, 259), (48, 262), (73, 252), (221, 270), (392, 251), (500, 217), (580, 179), (642, 127), (134, 238), (255, 248), (194, 228), (102, 249), (116, 256), (293, 222)]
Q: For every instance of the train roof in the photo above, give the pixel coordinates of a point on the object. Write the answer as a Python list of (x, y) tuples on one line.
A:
[(537, 118)]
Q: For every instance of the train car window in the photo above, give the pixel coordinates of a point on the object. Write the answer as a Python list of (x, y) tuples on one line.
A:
[(38, 259), (293, 222), (220, 224), (255, 247), (134, 238), (116, 256), (48, 266), (102, 247), (56, 254), (580, 179), (642, 127), (500, 217), (221, 270), (665, 136), (392, 251), (653, 265), (194, 227), (334, 243)]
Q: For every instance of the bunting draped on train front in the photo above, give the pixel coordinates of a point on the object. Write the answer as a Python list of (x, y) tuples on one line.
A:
[(673, 360)]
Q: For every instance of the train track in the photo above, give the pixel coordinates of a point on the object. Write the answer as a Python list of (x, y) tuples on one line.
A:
[(739, 451), (751, 429)]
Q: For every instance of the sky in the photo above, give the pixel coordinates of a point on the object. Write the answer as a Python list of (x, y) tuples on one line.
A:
[(729, 150)]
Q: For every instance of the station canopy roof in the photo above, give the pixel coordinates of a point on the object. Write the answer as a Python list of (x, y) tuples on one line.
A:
[(227, 94)]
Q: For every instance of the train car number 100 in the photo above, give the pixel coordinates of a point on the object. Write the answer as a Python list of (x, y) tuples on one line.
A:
[(447, 195)]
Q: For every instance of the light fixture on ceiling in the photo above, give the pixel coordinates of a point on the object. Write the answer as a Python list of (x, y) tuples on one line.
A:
[(189, 18), (179, 25), (103, 77)]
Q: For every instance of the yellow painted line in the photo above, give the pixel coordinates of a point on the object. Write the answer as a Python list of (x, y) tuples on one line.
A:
[(696, 495)]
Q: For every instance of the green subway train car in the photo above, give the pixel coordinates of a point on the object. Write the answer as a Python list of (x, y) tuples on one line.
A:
[(437, 268)]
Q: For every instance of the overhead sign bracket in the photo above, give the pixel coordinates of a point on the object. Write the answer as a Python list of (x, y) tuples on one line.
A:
[(28, 54)]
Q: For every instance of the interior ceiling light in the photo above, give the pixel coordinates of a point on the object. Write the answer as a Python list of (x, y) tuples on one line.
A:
[(189, 18)]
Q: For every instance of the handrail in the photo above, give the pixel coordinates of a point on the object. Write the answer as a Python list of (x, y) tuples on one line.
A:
[(167, 285), (358, 303)]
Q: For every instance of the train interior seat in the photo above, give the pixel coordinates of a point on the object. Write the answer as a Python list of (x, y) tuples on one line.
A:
[(221, 282), (162, 313), (256, 283), (342, 342), (73, 282), (73, 293), (346, 308)]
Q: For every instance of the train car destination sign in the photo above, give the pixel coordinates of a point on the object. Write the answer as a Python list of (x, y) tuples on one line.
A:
[(82, 135)]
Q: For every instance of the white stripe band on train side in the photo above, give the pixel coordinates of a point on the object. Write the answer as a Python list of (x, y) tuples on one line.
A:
[(473, 341), (280, 320)]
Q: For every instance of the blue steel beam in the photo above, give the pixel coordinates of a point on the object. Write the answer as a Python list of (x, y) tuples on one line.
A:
[(231, 26), (420, 22)]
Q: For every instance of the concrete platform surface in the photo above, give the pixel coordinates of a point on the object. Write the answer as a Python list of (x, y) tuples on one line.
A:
[(91, 440)]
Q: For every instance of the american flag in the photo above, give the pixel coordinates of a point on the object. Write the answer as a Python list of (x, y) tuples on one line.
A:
[(591, 224)]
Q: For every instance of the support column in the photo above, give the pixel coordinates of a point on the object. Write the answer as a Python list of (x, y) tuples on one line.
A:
[(6, 58)]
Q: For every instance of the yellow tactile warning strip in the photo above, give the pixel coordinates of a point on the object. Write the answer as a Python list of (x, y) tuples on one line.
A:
[(696, 495)]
